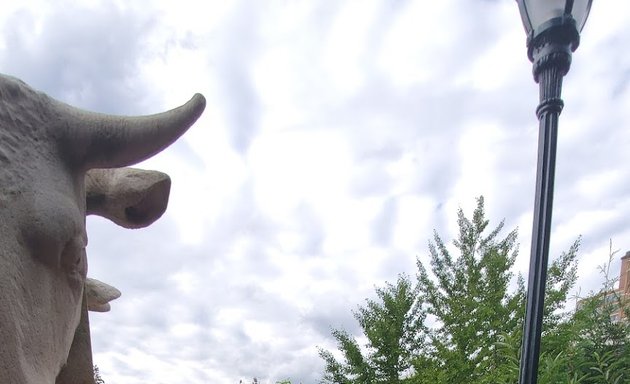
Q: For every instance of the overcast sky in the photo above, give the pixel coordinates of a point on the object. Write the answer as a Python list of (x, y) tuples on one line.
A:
[(337, 136)]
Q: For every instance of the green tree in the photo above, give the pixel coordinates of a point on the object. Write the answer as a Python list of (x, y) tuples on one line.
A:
[(475, 310), (587, 346), (389, 324), (469, 299), (601, 344), (465, 316)]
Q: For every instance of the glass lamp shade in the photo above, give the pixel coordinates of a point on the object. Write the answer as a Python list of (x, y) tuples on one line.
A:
[(536, 14)]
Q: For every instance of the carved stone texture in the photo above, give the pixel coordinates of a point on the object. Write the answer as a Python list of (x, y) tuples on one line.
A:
[(131, 198), (46, 148), (79, 368), (99, 294)]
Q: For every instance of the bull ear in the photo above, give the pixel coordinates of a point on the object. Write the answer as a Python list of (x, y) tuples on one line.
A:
[(99, 294), (95, 140), (131, 198)]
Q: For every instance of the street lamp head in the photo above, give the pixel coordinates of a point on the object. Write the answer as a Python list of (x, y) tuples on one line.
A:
[(560, 21)]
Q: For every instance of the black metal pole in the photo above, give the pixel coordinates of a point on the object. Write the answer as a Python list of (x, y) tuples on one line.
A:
[(552, 59)]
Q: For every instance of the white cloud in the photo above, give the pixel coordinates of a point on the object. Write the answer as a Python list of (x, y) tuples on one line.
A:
[(337, 135)]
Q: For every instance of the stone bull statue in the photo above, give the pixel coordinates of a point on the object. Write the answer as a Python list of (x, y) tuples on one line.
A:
[(46, 150), (99, 294), (79, 366), (131, 198)]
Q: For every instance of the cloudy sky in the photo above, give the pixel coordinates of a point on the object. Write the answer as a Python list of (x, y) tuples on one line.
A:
[(337, 136)]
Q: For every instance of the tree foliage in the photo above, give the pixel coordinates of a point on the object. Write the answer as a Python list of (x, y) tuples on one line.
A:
[(600, 346), (388, 323), (588, 346), (470, 299), (97, 376), (462, 320)]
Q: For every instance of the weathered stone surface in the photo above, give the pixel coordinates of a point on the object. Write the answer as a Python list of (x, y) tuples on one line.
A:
[(99, 294), (131, 198), (79, 368), (46, 148)]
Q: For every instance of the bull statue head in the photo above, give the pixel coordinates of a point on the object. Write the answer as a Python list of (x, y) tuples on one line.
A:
[(131, 198), (46, 149)]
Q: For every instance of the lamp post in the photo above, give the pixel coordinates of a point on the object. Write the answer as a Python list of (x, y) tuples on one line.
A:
[(553, 33)]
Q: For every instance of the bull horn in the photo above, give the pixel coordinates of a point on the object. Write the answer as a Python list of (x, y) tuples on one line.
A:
[(96, 140)]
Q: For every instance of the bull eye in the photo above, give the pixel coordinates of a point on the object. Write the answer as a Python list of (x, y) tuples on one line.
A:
[(73, 257)]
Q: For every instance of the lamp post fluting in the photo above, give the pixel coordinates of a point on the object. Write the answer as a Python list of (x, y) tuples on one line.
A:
[(553, 33)]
